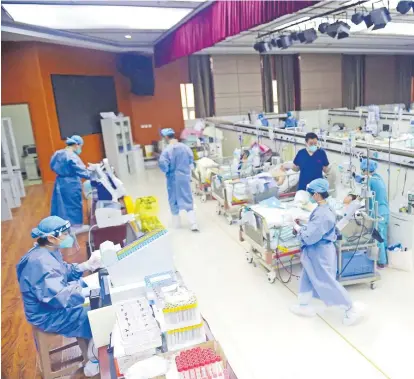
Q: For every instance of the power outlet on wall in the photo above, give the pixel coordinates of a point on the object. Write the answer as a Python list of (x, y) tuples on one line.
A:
[(145, 126)]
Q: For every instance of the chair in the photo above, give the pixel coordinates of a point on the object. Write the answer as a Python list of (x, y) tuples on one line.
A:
[(43, 344)]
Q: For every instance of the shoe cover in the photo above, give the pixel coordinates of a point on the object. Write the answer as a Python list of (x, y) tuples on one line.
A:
[(354, 315), (91, 368), (303, 310), (176, 221), (193, 221)]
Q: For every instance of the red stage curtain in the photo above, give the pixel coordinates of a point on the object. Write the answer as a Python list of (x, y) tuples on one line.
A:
[(221, 20)]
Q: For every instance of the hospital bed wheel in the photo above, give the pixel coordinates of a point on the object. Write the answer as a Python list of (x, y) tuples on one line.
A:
[(373, 285), (218, 210), (203, 198), (230, 220), (249, 257), (271, 277)]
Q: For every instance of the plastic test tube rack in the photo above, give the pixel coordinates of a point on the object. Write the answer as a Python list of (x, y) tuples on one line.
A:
[(199, 363), (181, 311), (184, 335)]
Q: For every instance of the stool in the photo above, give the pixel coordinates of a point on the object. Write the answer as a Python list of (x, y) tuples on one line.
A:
[(43, 342)]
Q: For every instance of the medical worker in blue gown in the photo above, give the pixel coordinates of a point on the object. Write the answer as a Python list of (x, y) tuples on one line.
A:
[(319, 260), (67, 193), (176, 162), (52, 290), (376, 184)]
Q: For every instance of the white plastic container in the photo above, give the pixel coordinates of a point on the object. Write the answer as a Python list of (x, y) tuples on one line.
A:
[(401, 260)]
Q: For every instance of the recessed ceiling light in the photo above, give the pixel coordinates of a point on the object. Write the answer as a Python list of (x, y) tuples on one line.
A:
[(128, 36)]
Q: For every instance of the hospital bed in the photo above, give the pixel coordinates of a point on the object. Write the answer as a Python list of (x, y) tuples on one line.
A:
[(201, 175), (272, 242), (243, 188)]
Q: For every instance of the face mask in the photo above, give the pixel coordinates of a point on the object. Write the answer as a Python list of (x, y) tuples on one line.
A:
[(78, 150), (312, 148), (67, 242), (312, 200)]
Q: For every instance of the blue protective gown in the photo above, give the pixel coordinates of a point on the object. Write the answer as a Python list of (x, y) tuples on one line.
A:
[(319, 259), (52, 293), (175, 162), (376, 184), (67, 193), (291, 122)]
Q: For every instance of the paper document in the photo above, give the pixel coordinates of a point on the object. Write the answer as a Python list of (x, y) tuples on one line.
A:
[(92, 281)]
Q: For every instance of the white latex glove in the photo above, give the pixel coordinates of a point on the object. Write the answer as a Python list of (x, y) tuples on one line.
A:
[(93, 263), (296, 227)]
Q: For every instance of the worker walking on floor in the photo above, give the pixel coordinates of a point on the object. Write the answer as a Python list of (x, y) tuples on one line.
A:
[(67, 193), (319, 260), (377, 185), (175, 162), (52, 290)]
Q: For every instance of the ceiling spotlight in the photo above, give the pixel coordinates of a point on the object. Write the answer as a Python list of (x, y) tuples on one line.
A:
[(380, 17), (286, 41), (294, 36), (404, 7), (323, 27), (262, 47), (357, 18), (275, 42), (338, 29), (128, 36), (308, 36), (368, 20)]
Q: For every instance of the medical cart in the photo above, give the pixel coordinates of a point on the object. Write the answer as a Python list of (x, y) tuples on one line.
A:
[(355, 246)]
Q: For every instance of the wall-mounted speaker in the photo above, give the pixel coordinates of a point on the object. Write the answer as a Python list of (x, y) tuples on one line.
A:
[(140, 71)]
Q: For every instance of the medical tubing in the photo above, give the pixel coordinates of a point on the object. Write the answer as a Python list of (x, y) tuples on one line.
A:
[(356, 249)]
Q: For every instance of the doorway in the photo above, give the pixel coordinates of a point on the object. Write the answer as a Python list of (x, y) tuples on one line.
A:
[(25, 144)]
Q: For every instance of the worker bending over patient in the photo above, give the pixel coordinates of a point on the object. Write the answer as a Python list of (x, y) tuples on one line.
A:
[(52, 290), (175, 162), (377, 185), (310, 161), (319, 260), (67, 193)]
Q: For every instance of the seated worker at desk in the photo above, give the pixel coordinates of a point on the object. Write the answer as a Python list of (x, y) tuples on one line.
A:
[(52, 290), (310, 161)]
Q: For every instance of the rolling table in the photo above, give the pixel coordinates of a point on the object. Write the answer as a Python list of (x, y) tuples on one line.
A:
[(105, 353)]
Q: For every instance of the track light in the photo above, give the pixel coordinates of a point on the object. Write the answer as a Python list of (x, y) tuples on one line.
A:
[(274, 42), (338, 29), (262, 47), (404, 7), (380, 17), (357, 18), (286, 41), (323, 27), (368, 21), (294, 36), (308, 36)]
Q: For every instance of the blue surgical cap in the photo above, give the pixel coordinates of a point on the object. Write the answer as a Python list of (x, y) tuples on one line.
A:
[(74, 140), (167, 132), (318, 186), (289, 114), (50, 226), (372, 165)]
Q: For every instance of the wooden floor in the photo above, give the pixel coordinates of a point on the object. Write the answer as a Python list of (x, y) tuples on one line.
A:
[(18, 352)]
